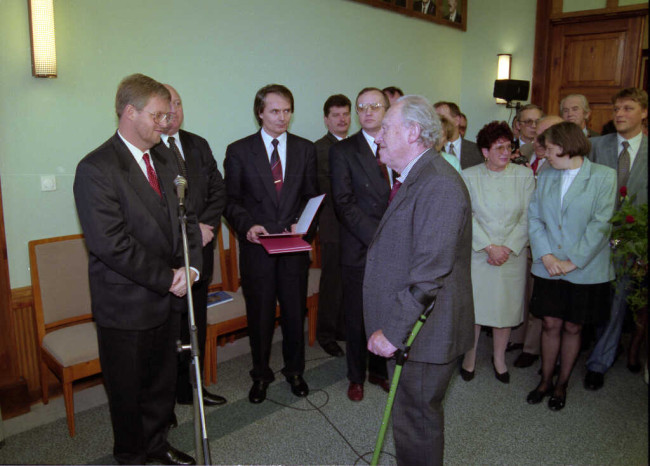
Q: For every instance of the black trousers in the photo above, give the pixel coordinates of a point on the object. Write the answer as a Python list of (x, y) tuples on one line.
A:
[(139, 368), (330, 325), (267, 280), (357, 355), (183, 380)]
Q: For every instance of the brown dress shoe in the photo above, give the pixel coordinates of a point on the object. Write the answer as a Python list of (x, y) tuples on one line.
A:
[(383, 383), (355, 391)]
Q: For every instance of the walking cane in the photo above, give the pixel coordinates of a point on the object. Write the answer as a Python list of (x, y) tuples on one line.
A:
[(201, 443), (401, 357)]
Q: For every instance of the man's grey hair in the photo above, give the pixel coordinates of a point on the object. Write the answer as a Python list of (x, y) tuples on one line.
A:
[(416, 110), (584, 103)]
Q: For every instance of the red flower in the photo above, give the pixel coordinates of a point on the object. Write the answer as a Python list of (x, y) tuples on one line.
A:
[(629, 218), (623, 191)]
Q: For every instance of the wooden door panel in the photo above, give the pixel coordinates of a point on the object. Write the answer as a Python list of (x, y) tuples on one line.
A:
[(593, 58)]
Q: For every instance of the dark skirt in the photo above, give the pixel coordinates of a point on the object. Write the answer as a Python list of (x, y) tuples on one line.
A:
[(579, 304)]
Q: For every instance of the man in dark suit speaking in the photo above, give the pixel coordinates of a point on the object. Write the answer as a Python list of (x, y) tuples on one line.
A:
[(128, 210), (206, 194), (420, 252), (270, 175)]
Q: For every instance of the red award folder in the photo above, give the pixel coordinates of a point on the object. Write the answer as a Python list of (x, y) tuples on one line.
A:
[(279, 243)]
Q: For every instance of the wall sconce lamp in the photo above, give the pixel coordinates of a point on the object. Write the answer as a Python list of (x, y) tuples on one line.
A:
[(41, 33), (503, 69)]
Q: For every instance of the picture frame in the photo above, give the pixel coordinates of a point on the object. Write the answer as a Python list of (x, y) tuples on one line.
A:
[(451, 13)]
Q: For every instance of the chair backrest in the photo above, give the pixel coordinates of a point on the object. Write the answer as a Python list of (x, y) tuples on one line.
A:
[(59, 271), (219, 270)]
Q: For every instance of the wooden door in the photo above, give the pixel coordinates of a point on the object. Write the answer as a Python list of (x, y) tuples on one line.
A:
[(596, 58)]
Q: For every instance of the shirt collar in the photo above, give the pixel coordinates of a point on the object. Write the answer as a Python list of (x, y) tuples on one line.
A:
[(402, 177), (267, 138), (165, 137), (137, 153), (371, 141)]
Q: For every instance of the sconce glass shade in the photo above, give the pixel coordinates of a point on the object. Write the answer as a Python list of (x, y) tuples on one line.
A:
[(503, 69), (41, 29)]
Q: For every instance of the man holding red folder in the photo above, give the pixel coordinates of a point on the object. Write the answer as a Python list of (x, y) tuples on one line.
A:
[(270, 176)]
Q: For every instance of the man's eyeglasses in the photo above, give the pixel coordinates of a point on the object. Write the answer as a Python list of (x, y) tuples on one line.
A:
[(529, 122), (372, 107), (161, 118)]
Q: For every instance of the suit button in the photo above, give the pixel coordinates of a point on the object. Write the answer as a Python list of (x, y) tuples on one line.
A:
[(559, 246), (559, 227)]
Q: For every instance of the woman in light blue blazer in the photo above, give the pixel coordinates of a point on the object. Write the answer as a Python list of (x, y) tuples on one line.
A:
[(568, 224)]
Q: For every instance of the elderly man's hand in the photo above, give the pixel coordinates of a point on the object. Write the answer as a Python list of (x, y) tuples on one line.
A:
[(378, 344)]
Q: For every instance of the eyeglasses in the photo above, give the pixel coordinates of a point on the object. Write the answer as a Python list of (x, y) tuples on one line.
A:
[(160, 118), (372, 107), (529, 122)]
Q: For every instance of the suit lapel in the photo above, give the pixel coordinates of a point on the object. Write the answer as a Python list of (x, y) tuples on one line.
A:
[(368, 162), (140, 185), (578, 185), (639, 170), (262, 165), (552, 191), (191, 155), (292, 177)]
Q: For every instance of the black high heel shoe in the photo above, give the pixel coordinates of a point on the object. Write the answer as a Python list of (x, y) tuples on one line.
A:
[(537, 395), (466, 375), (555, 402), (503, 378)]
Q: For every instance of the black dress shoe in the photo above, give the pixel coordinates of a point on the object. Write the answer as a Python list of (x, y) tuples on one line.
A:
[(466, 375), (210, 399), (504, 377), (514, 347), (298, 385), (557, 402), (171, 456), (257, 394), (526, 359), (333, 349), (634, 368), (537, 395), (594, 380), (382, 383)]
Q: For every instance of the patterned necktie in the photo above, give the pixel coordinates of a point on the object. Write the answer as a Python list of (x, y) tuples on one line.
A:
[(623, 168), (151, 175), (452, 149), (394, 190), (276, 167), (382, 167), (182, 169)]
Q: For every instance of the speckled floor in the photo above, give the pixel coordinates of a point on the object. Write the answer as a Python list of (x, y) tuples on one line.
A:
[(486, 422)]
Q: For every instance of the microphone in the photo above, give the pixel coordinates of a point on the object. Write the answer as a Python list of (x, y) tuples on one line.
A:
[(181, 185)]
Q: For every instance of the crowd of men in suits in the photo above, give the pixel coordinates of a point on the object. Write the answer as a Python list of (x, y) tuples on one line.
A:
[(395, 235)]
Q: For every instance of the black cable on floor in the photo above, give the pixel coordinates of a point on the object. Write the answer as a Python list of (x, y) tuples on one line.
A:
[(360, 456)]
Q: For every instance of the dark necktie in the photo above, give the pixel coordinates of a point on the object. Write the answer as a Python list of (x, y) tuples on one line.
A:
[(276, 167), (394, 190), (151, 175), (182, 169), (382, 167)]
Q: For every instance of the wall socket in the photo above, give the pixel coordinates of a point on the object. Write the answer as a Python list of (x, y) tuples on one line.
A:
[(48, 183)]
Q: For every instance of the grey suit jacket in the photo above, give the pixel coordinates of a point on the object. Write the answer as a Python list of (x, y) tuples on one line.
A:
[(424, 239), (470, 154), (578, 228), (604, 150)]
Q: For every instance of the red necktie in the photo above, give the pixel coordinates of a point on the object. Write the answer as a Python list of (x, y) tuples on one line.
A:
[(393, 190), (382, 167), (151, 175), (534, 165), (276, 167)]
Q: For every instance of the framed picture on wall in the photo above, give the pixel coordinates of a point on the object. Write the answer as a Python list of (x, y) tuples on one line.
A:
[(452, 13)]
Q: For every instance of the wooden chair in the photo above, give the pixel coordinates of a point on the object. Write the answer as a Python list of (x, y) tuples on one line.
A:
[(67, 336)]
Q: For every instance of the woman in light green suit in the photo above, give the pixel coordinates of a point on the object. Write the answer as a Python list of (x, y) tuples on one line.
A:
[(569, 230)]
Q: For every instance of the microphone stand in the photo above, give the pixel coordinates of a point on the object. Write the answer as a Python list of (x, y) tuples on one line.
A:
[(201, 443)]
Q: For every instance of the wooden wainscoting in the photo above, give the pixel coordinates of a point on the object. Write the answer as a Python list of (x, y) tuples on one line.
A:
[(22, 308)]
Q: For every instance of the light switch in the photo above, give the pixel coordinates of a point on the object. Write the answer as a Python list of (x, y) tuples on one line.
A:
[(48, 183)]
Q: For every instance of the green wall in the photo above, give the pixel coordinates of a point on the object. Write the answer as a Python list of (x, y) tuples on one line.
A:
[(217, 54)]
